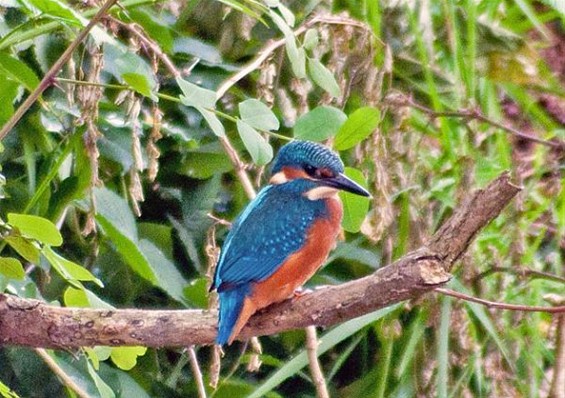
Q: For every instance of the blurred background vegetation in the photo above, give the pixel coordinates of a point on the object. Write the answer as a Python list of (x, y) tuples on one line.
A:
[(128, 154)]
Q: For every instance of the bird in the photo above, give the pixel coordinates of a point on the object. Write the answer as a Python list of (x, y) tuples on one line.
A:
[(282, 236)]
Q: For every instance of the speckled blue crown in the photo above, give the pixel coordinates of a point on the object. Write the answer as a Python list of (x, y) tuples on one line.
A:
[(302, 153)]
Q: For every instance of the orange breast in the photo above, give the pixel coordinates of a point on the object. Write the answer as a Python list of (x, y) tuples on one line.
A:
[(298, 268)]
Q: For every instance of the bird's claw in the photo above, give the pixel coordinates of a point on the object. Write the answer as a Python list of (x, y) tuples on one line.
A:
[(301, 292)]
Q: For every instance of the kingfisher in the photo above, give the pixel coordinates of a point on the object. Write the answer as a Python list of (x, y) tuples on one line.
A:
[(283, 235)]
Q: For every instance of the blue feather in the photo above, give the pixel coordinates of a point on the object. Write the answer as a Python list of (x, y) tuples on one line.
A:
[(301, 153), (272, 227), (231, 303)]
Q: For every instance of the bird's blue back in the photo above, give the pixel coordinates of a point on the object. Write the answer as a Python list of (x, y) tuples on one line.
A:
[(272, 227)]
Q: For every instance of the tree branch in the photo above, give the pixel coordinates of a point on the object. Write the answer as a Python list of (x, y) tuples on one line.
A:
[(34, 323), (195, 366), (504, 306), (469, 114), (65, 378), (315, 367)]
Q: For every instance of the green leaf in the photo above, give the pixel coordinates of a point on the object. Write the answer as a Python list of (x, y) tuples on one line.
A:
[(24, 247), (12, 268), (154, 27), (202, 100), (103, 388), (196, 292), (36, 227), (75, 369), (6, 392), (113, 207), (259, 149), (355, 207), (319, 124), (196, 96), (161, 235), (167, 275), (119, 60), (75, 298), (139, 83), (258, 115), (252, 8), (412, 337), (83, 297), (57, 10), (70, 271), (117, 221), (127, 249), (212, 120), (327, 341), (126, 357), (8, 95), (297, 56), (311, 39), (207, 53), (359, 125), (323, 77), (18, 71), (287, 14), (203, 165)]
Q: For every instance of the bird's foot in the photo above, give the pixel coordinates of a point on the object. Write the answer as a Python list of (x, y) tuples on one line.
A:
[(301, 292)]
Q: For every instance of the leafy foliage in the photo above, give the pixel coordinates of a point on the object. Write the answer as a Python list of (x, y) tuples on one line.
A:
[(108, 182)]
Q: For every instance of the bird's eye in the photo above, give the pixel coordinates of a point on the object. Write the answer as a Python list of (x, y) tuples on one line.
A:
[(311, 170), (318, 173)]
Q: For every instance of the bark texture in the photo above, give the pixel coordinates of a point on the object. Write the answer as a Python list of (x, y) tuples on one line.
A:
[(36, 324)]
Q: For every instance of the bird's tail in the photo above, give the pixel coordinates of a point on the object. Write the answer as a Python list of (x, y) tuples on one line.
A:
[(231, 304)]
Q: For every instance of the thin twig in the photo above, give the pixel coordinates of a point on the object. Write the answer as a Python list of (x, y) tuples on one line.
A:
[(218, 220), (215, 366), (558, 383), (196, 371), (315, 368), (137, 31), (504, 306), (255, 359), (253, 64), (520, 271), (272, 46), (50, 75), (67, 381), (478, 115), (239, 167)]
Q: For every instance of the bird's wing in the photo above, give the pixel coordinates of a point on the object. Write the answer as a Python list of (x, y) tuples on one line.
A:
[(271, 228)]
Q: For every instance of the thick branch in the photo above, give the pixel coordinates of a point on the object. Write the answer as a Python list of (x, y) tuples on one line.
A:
[(34, 323)]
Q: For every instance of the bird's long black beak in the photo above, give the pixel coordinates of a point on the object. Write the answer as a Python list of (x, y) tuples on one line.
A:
[(345, 184)]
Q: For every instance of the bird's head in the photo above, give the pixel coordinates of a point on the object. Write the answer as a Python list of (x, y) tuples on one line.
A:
[(315, 162)]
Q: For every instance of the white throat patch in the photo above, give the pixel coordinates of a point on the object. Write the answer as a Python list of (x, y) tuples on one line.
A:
[(321, 193)]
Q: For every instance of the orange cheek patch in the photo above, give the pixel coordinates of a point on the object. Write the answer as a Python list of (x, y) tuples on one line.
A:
[(292, 173)]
